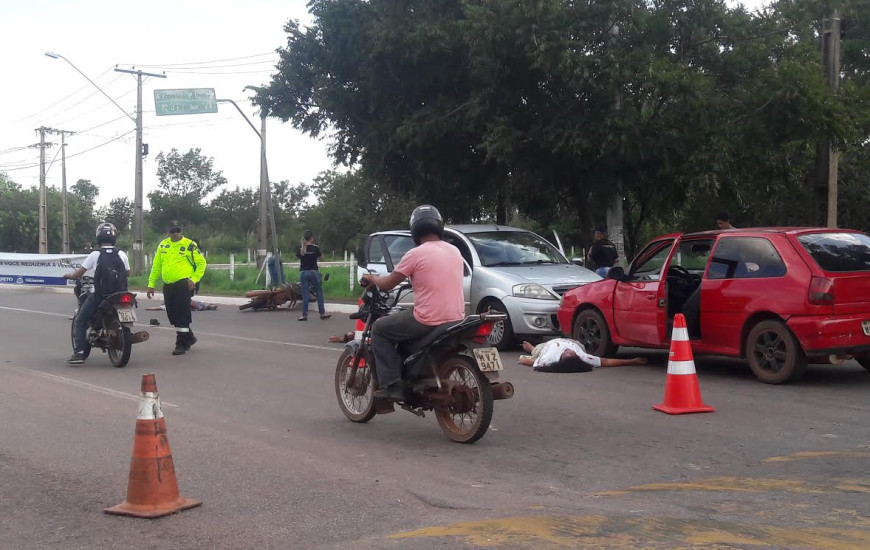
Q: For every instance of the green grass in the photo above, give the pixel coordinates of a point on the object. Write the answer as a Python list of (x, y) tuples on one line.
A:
[(217, 282)]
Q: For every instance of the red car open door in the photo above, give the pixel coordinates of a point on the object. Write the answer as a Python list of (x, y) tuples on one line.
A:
[(639, 302)]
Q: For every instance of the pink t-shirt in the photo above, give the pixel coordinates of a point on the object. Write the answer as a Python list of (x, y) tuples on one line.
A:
[(435, 269)]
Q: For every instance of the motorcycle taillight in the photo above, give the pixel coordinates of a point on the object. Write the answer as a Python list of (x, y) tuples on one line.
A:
[(125, 299), (482, 332)]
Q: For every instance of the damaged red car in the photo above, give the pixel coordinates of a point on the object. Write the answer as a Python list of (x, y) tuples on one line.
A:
[(779, 297)]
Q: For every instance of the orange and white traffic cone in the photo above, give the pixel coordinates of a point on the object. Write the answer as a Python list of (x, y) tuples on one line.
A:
[(152, 490), (682, 393)]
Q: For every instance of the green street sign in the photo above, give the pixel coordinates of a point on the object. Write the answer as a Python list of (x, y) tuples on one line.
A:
[(185, 101)]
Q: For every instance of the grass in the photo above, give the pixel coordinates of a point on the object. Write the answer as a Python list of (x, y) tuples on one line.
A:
[(217, 282)]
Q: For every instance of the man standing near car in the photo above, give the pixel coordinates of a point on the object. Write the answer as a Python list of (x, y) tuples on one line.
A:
[(180, 265), (603, 254)]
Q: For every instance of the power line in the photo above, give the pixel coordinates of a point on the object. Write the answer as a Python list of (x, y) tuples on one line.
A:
[(116, 138), (207, 62), (62, 99), (223, 72), (271, 61)]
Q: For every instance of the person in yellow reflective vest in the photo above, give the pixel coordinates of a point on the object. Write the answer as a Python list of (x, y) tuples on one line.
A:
[(180, 265)]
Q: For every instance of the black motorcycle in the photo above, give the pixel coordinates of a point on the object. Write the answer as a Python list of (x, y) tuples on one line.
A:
[(453, 371), (111, 327)]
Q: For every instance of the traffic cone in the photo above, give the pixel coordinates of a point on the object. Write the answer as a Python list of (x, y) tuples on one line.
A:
[(682, 393), (360, 325), (152, 490)]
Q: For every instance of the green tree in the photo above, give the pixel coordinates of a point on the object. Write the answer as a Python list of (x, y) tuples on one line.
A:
[(184, 184)]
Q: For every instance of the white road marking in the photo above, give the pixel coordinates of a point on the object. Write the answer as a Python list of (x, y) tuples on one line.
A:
[(151, 327), (79, 384)]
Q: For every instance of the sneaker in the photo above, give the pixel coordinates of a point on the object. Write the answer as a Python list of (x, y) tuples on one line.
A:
[(326, 316), (303, 318), (76, 358), (191, 342), (179, 350), (393, 392)]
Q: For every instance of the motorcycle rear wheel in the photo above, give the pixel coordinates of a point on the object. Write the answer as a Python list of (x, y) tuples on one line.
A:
[(357, 408), (119, 352), (457, 424)]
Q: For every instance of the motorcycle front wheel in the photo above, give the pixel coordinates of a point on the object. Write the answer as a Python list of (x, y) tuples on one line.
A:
[(357, 402), (468, 418), (122, 345)]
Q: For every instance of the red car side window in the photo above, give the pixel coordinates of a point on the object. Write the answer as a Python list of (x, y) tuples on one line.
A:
[(745, 258)]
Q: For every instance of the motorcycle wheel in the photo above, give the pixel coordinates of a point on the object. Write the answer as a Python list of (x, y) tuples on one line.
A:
[(357, 408), (119, 352), (465, 422), (72, 338)]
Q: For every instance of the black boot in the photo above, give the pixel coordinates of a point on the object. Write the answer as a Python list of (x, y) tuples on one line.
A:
[(191, 339), (180, 348)]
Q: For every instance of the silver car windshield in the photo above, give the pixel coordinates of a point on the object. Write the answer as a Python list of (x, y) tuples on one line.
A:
[(504, 248)]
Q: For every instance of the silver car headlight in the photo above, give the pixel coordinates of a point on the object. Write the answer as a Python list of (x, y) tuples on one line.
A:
[(532, 290)]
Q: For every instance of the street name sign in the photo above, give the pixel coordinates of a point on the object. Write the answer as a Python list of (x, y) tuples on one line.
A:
[(185, 101)]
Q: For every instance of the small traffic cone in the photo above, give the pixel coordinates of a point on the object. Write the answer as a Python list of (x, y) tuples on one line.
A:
[(152, 490), (682, 393)]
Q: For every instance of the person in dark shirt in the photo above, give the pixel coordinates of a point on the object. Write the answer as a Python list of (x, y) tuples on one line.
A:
[(602, 254), (309, 275)]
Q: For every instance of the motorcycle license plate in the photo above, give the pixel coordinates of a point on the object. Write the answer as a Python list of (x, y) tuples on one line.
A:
[(865, 326), (126, 315), (488, 359)]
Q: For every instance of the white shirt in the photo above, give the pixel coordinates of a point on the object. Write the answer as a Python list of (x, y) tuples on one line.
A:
[(552, 351), (93, 259)]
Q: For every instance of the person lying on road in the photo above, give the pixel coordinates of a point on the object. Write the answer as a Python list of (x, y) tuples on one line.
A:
[(566, 355)]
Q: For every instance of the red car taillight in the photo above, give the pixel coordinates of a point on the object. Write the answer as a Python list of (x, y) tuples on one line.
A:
[(125, 299), (822, 291), (482, 332)]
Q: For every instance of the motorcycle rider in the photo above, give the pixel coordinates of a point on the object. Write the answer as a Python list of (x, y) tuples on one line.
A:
[(435, 268), (107, 235)]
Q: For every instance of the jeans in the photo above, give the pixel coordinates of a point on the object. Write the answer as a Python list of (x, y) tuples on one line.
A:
[(386, 333), (602, 271), (86, 312), (309, 278)]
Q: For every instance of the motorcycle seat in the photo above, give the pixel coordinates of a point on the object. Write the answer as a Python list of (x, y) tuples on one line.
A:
[(414, 346)]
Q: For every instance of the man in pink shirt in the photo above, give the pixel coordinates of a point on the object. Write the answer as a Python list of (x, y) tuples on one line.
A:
[(435, 269)]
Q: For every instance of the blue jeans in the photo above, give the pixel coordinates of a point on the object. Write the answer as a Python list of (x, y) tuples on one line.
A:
[(309, 278), (602, 271), (83, 319)]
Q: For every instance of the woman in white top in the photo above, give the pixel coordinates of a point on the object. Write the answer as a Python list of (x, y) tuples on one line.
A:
[(566, 355)]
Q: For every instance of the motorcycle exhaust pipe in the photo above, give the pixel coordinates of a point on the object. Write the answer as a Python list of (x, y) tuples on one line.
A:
[(502, 390), (140, 336)]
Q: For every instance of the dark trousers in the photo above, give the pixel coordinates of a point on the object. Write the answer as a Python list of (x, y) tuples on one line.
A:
[(177, 297), (387, 332), (311, 278), (83, 318)]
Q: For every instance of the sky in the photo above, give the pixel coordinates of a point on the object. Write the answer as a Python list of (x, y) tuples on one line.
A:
[(220, 44)]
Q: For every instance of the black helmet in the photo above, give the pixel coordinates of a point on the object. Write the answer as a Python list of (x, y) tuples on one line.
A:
[(426, 220), (106, 233)]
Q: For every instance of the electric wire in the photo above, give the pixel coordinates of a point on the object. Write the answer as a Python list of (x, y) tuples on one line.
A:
[(206, 62), (62, 99), (116, 138)]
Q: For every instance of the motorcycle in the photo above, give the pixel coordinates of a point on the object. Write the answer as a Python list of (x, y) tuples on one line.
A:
[(278, 296), (452, 371), (111, 327)]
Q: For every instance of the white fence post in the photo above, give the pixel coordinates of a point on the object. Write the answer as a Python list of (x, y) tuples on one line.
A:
[(350, 278), (266, 266), (232, 267), (249, 255), (145, 256)]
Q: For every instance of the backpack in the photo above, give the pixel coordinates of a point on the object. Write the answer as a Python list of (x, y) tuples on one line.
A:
[(110, 276)]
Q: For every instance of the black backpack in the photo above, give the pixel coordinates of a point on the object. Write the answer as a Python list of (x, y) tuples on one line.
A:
[(110, 275)]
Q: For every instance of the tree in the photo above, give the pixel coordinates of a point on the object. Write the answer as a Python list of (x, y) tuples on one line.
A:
[(184, 183), (119, 212)]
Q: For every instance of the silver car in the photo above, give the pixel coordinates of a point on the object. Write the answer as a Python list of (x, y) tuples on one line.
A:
[(506, 269)]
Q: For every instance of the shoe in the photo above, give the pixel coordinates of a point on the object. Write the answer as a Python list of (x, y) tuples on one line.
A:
[(76, 358), (191, 342), (393, 392), (303, 318), (179, 350), (326, 316)]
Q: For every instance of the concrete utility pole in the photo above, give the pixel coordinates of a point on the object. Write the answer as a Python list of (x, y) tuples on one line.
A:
[(614, 213), (264, 192), (138, 224), (65, 213), (832, 72), (43, 219)]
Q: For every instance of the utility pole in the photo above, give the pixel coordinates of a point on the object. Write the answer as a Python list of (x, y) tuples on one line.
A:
[(614, 214), (264, 193), (65, 212), (43, 220), (832, 72), (138, 224)]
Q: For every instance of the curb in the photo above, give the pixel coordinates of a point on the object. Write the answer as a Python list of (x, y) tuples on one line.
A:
[(221, 300)]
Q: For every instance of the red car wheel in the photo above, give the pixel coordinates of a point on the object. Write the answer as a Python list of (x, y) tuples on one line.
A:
[(591, 330)]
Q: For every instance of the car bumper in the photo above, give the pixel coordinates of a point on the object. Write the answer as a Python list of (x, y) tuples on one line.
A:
[(533, 317), (831, 334)]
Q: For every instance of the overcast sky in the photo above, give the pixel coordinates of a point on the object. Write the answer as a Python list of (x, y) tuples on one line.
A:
[(220, 44)]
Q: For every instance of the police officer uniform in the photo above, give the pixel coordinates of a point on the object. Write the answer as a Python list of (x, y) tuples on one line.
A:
[(176, 263)]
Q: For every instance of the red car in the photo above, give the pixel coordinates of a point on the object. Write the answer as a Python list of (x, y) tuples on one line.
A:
[(779, 297)]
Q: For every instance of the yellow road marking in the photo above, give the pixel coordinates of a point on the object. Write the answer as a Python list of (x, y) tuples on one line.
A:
[(726, 483), (633, 532), (819, 454)]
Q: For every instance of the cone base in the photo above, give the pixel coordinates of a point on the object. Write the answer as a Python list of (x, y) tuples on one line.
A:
[(684, 410), (155, 511)]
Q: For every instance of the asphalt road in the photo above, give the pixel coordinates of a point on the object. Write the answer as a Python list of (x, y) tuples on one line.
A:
[(573, 461)]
